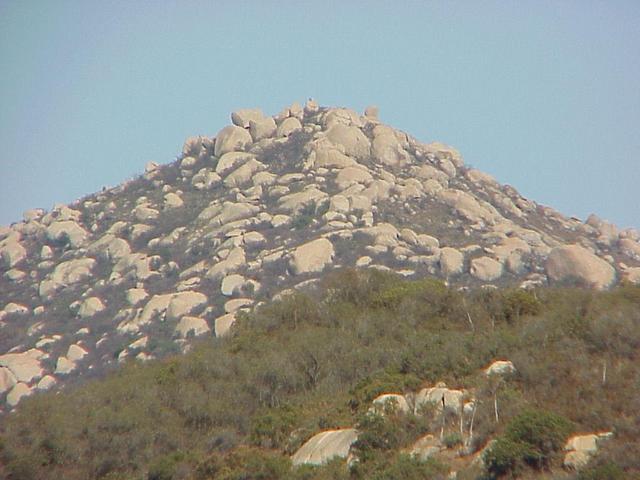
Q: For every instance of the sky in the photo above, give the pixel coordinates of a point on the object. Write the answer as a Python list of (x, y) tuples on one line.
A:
[(543, 95)]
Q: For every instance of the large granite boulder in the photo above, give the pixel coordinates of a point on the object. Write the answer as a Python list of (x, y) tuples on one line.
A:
[(325, 446), (573, 262), (312, 256)]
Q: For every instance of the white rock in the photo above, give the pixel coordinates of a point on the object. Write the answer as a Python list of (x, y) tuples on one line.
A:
[(231, 139), (384, 401), (288, 126), (243, 117), (17, 393), (232, 284), (136, 295), (231, 160), (451, 261), (64, 366), (24, 366), (68, 231), (46, 382), (435, 395), (325, 446), (223, 324), (184, 303), (351, 139), (261, 129), (90, 307), (500, 367), (574, 261), (486, 269), (76, 353), (313, 256), (7, 380), (192, 324)]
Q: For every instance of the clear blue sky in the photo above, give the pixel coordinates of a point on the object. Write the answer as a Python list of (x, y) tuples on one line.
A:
[(544, 95)]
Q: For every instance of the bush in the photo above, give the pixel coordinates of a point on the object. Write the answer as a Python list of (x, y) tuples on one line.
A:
[(531, 438), (271, 429), (606, 471), (541, 433)]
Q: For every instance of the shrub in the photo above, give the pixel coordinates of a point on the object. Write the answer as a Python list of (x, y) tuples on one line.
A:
[(605, 471), (520, 302), (542, 434), (531, 438), (272, 428), (452, 440)]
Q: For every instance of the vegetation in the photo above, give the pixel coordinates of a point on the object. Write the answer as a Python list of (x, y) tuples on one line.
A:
[(236, 408)]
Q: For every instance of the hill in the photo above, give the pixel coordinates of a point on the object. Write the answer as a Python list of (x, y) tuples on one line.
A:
[(265, 210)]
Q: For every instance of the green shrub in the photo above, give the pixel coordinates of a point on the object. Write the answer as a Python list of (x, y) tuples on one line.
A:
[(605, 471), (520, 302), (406, 467), (531, 438), (504, 457), (541, 433), (272, 428), (452, 440)]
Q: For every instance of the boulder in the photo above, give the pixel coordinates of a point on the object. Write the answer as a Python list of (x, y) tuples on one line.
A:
[(17, 393), (66, 274), (313, 256), (350, 175), (144, 213), (231, 160), (12, 252), (7, 380), (234, 211), (425, 447), (172, 200), (188, 324), (232, 284), (486, 269), (90, 307), (243, 173), (223, 324), (64, 366), (354, 143), (234, 261), (382, 402), (261, 129), (232, 306), (580, 449), (136, 295), (386, 147), (66, 231), (109, 247), (46, 382), (24, 366), (440, 396), (500, 367), (288, 126), (330, 157), (451, 261), (17, 309), (293, 202), (242, 118), (231, 139), (76, 353), (573, 262), (205, 179), (184, 303), (325, 446)]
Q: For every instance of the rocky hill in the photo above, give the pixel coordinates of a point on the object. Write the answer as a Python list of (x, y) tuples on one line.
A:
[(267, 206)]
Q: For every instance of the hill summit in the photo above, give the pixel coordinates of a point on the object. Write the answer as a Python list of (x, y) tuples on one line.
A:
[(262, 209)]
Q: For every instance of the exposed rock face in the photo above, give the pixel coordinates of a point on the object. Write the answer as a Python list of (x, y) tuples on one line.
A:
[(17, 393), (312, 257), (575, 262), (90, 307), (325, 446), (351, 139)]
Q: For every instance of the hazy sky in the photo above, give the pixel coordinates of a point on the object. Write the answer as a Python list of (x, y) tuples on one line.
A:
[(543, 95)]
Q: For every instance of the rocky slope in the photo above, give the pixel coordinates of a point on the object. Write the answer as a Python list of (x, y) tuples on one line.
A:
[(265, 206)]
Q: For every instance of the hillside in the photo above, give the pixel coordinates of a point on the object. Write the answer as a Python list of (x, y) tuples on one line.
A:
[(248, 406), (268, 207)]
